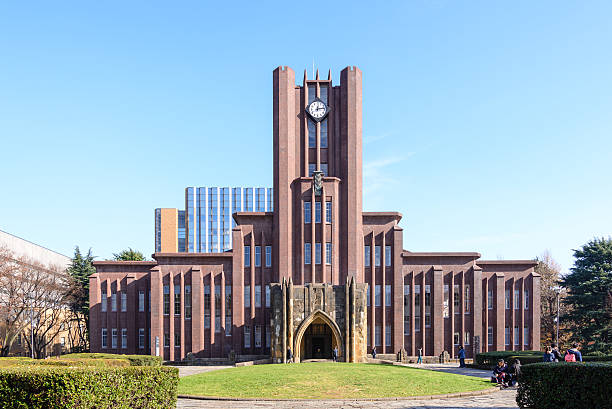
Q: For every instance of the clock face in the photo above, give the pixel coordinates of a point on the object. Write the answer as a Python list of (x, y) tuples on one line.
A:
[(317, 109)]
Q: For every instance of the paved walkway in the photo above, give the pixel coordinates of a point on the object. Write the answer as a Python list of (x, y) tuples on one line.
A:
[(498, 399), (192, 369)]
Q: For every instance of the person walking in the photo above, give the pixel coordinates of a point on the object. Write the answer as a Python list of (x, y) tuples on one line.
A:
[(374, 352), (461, 357), (574, 351), (289, 355), (335, 354), (420, 357), (556, 354)]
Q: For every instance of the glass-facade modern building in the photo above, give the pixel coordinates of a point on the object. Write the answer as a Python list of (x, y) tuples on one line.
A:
[(205, 226), (208, 214)]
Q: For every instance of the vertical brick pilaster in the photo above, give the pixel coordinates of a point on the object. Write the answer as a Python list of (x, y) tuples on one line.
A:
[(182, 317), (477, 308), (171, 318), (398, 290), (157, 314), (534, 311), (95, 322), (383, 268), (500, 311), (197, 312), (437, 314)]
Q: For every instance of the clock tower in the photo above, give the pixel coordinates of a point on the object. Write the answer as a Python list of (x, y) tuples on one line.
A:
[(318, 234)]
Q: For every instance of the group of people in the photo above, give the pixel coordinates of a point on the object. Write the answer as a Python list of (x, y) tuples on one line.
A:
[(552, 354), (507, 376)]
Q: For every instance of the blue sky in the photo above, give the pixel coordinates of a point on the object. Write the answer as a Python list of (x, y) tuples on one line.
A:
[(486, 124)]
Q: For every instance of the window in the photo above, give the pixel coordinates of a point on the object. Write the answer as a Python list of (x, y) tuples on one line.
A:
[(377, 295), (377, 256), (328, 212), (427, 319), (507, 335), (206, 306), (516, 336), (187, 301), (141, 338), (166, 340), (377, 335), (490, 336), (268, 338), (228, 325), (268, 296), (406, 309), (388, 335), (257, 256), (417, 307), (368, 296), (317, 253), (307, 254), (104, 337), (324, 168), (247, 336), (366, 253), (217, 308), (177, 299), (124, 338), (257, 296), (123, 301), (328, 253), (257, 336), (507, 299), (311, 168), (317, 212), (526, 336), (141, 301), (307, 212), (467, 338), (517, 300), (247, 296), (114, 338), (490, 299), (323, 130), (456, 338), (177, 339), (456, 299), (104, 301), (526, 295), (166, 299), (427, 296), (247, 256), (387, 295), (445, 307), (114, 302), (63, 341), (466, 299), (388, 256), (268, 256), (312, 134)]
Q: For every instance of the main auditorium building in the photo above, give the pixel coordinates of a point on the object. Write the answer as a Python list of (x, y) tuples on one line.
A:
[(317, 272)]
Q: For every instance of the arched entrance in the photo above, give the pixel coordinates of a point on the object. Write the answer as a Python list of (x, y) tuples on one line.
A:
[(316, 337)]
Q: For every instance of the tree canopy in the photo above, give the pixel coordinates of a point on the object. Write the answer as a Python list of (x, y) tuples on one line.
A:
[(129, 255), (589, 286)]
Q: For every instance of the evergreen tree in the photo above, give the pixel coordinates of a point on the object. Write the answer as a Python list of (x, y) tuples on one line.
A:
[(129, 255), (589, 288), (78, 298)]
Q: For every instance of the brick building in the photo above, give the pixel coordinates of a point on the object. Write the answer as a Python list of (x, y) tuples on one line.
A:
[(317, 271)]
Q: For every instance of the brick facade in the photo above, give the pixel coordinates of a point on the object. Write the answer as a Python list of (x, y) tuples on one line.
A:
[(213, 304)]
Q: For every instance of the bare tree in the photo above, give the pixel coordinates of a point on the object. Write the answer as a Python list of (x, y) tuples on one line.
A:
[(551, 297)]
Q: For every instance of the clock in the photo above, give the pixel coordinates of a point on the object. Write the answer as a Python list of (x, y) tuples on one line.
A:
[(317, 109)]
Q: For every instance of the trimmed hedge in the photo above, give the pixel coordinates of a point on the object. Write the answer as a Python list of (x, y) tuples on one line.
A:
[(23, 361), (38, 387), (134, 360), (568, 385), (597, 358), (489, 359)]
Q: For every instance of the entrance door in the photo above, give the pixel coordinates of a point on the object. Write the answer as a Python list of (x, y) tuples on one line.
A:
[(317, 342)]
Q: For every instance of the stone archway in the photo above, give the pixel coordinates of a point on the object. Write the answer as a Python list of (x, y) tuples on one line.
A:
[(326, 340)]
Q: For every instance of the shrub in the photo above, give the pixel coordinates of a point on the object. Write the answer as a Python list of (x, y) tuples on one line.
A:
[(134, 360), (489, 359), (597, 358), (38, 387), (565, 385)]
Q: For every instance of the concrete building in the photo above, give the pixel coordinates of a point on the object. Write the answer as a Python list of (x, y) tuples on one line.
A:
[(205, 226), (317, 271), (39, 254)]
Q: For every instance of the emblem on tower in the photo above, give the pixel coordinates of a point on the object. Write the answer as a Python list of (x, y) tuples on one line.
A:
[(317, 182)]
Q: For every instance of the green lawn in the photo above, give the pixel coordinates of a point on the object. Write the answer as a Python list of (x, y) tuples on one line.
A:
[(320, 380)]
